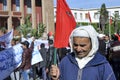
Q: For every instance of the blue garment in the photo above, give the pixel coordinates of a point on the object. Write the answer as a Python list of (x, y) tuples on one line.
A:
[(44, 75), (96, 69), (25, 74)]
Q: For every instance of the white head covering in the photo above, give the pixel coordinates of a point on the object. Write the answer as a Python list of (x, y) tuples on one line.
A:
[(85, 31), (81, 33), (101, 35)]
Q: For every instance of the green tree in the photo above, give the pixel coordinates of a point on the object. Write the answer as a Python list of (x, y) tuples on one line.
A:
[(103, 17), (39, 31), (26, 28), (116, 19)]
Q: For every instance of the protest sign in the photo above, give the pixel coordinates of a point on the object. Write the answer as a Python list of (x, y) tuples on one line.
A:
[(11, 58), (5, 40)]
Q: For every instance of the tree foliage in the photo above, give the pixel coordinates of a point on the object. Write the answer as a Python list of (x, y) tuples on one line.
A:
[(39, 31), (116, 20), (26, 28), (103, 17)]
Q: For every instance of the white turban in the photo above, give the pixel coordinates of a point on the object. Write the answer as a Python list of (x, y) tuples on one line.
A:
[(80, 33)]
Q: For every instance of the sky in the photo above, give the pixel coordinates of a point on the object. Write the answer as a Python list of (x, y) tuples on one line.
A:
[(87, 4)]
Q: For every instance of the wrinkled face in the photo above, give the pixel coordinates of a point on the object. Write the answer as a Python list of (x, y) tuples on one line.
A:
[(81, 46)]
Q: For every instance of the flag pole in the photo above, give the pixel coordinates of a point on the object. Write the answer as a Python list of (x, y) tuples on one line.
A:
[(109, 30), (89, 18), (38, 23), (110, 26), (55, 56)]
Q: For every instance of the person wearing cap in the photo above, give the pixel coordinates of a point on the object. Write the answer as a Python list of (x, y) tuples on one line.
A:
[(84, 62), (25, 66)]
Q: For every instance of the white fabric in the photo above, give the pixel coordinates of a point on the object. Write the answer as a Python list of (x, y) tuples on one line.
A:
[(82, 62), (101, 35), (81, 33), (94, 40)]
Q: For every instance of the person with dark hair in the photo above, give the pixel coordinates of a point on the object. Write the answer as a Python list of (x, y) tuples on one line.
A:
[(104, 45), (62, 52), (108, 43), (84, 62), (25, 66), (43, 52), (115, 56)]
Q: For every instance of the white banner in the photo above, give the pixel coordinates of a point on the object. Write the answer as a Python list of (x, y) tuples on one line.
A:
[(39, 41), (11, 59)]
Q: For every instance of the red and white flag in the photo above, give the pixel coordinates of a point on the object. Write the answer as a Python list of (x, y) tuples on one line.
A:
[(65, 23)]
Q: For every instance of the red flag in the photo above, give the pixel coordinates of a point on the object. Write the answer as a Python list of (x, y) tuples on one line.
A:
[(65, 23), (89, 17), (110, 20)]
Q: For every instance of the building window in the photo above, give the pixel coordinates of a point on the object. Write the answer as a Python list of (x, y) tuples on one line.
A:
[(75, 14), (86, 15), (29, 10), (4, 5), (96, 15), (81, 16), (38, 3), (17, 5), (117, 12)]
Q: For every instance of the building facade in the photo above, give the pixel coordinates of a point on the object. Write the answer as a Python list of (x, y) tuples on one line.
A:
[(81, 15), (13, 13)]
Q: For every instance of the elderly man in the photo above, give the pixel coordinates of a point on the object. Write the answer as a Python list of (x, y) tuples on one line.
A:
[(84, 62)]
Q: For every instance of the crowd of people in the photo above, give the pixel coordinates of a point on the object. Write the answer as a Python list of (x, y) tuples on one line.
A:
[(91, 56)]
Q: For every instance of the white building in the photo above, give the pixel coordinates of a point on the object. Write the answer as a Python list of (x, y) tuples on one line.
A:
[(81, 15)]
